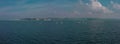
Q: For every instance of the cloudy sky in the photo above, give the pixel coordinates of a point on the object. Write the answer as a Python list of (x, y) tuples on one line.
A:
[(13, 9)]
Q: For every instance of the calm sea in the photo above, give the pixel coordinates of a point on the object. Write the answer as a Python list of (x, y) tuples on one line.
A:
[(60, 32)]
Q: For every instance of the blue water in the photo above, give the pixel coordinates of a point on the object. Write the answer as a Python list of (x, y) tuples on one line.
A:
[(62, 32)]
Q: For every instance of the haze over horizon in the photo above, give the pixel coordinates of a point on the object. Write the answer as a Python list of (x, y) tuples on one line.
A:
[(12, 9)]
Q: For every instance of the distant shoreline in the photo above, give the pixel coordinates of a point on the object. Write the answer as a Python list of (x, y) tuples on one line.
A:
[(57, 19)]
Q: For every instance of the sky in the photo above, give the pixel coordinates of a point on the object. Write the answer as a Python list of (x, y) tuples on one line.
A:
[(14, 9)]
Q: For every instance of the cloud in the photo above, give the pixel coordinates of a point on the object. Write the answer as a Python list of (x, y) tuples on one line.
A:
[(116, 6), (36, 10), (96, 5), (91, 9)]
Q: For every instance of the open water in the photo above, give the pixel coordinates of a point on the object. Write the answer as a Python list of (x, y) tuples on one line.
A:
[(60, 32)]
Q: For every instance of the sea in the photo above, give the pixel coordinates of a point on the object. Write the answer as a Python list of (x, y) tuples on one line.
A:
[(83, 31)]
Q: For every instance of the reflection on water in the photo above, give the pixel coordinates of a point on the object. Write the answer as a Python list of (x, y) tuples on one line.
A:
[(65, 32)]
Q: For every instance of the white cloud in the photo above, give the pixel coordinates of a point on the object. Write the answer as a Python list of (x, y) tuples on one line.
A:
[(79, 9), (96, 5), (92, 9), (116, 6)]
